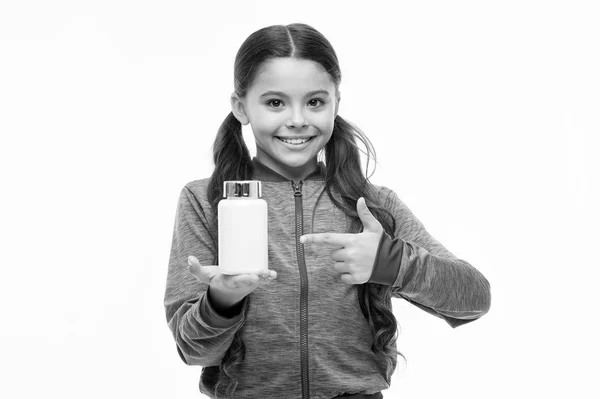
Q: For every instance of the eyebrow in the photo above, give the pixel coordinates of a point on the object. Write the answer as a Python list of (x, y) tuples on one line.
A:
[(279, 93)]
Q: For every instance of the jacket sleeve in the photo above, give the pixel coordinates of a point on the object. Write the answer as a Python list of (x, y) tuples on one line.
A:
[(423, 272), (201, 334)]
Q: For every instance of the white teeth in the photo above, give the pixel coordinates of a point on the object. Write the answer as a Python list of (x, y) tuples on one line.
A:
[(294, 141)]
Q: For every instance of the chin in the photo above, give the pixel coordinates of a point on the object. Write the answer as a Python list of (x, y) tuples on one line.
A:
[(298, 163)]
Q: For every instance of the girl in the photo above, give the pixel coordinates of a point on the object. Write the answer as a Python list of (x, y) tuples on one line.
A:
[(319, 323)]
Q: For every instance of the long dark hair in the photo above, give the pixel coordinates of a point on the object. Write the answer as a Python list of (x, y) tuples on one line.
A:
[(344, 177)]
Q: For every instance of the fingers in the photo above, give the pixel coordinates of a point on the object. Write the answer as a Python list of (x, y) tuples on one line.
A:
[(267, 275), (348, 279), (345, 273), (349, 274), (341, 267), (340, 254), (250, 281), (337, 239), (205, 274), (345, 265), (243, 279), (264, 275)]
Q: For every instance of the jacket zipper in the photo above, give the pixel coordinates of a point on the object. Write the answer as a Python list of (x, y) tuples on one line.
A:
[(303, 290)]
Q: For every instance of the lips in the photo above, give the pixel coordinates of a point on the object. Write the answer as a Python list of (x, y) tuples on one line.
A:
[(295, 140)]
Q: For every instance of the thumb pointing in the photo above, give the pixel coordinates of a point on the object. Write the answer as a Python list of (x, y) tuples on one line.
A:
[(369, 221)]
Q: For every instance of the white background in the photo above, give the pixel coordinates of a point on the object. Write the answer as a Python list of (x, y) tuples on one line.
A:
[(485, 118)]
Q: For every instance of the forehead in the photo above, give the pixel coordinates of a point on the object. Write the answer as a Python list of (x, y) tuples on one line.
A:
[(291, 75)]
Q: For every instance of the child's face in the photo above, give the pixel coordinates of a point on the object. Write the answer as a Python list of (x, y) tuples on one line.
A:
[(304, 107)]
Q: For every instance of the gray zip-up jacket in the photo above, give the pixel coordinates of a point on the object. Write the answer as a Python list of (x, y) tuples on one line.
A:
[(304, 333)]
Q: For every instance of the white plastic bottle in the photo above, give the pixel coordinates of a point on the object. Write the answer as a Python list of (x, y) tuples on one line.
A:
[(243, 231)]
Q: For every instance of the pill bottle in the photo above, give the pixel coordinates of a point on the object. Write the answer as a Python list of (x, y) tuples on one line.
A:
[(243, 231)]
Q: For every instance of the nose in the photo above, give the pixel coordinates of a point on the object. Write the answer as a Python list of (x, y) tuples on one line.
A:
[(297, 118)]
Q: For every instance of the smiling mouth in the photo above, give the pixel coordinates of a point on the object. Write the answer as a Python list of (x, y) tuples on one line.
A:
[(295, 141)]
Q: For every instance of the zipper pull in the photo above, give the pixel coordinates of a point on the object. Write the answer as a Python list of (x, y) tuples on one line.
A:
[(297, 189)]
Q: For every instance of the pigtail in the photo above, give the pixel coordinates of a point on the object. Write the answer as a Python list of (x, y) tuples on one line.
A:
[(231, 158), (232, 162), (344, 176)]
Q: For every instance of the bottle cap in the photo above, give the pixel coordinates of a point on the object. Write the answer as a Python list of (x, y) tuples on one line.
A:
[(242, 188)]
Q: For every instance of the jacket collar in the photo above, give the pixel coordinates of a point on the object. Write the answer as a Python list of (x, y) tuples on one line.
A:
[(264, 173)]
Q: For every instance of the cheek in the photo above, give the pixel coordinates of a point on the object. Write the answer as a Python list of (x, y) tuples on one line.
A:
[(325, 122), (266, 122), (263, 128)]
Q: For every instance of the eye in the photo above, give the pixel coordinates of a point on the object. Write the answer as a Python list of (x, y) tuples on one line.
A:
[(315, 102), (275, 103)]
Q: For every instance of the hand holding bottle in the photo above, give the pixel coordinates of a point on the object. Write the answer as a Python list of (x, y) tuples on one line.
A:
[(227, 290)]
